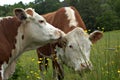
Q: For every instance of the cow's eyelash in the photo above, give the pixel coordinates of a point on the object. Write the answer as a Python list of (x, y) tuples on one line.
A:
[(70, 46), (41, 21)]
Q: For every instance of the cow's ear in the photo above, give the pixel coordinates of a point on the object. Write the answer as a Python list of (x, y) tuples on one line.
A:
[(95, 36), (29, 11), (62, 42), (20, 14)]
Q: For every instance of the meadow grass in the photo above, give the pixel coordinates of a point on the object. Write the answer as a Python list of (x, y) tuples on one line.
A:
[(105, 56)]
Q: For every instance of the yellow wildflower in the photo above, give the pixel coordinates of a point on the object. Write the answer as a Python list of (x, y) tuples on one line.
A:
[(28, 76), (35, 73), (39, 62), (41, 58), (33, 59), (89, 30), (31, 71), (118, 71), (103, 28), (98, 27), (38, 77), (48, 59), (85, 31)]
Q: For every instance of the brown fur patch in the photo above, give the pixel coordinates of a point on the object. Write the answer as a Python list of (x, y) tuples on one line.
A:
[(8, 32)]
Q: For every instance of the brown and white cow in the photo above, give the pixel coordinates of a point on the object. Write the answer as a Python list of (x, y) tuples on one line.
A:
[(25, 31), (74, 53)]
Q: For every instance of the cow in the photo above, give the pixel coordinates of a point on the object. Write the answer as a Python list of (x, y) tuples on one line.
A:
[(27, 30), (69, 21)]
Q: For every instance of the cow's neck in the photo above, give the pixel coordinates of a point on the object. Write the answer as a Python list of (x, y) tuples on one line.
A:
[(13, 32), (24, 41), (9, 28)]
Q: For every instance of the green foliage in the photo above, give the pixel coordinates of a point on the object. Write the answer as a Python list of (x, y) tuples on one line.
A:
[(45, 6), (115, 5), (108, 18)]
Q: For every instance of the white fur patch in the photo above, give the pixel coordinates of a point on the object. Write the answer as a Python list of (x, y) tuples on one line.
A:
[(1, 71), (3, 67), (71, 16), (1, 18)]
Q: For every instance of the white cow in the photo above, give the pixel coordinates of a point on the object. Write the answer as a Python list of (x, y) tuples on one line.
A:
[(76, 53)]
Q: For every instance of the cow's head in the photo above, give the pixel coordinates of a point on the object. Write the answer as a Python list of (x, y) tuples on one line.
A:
[(35, 28), (76, 53)]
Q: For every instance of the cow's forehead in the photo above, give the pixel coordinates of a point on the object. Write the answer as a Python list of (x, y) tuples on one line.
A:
[(35, 15), (78, 37), (77, 32), (38, 17)]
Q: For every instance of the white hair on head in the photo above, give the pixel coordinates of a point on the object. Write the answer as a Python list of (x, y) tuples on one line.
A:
[(71, 16), (29, 9)]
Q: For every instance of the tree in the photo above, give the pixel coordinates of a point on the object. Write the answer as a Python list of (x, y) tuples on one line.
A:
[(45, 6), (116, 6), (108, 19)]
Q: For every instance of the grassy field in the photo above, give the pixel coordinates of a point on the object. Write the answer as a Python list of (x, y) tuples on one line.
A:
[(105, 56)]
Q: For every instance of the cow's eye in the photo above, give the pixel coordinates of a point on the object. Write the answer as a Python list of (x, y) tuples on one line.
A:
[(70, 46), (41, 21)]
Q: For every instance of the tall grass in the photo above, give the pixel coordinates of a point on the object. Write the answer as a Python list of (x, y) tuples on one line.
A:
[(105, 56)]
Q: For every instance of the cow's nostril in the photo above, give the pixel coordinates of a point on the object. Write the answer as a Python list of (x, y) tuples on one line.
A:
[(83, 65)]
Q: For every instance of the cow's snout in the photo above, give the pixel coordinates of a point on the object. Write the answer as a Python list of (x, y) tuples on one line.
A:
[(86, 66), (59, 33)]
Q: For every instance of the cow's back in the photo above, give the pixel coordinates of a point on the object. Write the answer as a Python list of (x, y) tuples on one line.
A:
[(60, 19)]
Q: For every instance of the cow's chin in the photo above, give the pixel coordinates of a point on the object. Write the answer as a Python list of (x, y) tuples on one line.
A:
[(83, 72), (80, 71)]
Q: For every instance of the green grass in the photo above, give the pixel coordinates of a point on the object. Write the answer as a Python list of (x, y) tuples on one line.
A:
[(105, 56)]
